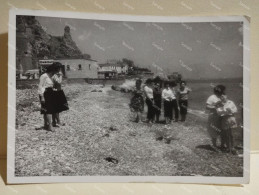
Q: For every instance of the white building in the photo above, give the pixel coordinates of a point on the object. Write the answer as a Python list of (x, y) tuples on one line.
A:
[(74, 68), (114, 66)]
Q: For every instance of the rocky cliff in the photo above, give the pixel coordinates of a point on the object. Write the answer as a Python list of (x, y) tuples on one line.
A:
[(33, 42)]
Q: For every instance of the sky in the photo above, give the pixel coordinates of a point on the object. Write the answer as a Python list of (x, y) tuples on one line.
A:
[(196, 50)]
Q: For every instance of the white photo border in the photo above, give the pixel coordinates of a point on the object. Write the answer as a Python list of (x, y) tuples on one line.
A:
[(11, 178)]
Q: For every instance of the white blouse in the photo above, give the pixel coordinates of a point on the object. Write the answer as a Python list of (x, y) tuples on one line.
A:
[(148, 92), (168, 95), (45, 82)]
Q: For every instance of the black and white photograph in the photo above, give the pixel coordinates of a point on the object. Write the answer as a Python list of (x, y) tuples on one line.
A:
[(131, 98)]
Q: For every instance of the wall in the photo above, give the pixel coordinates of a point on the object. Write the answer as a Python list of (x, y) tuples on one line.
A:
[(85, 72)]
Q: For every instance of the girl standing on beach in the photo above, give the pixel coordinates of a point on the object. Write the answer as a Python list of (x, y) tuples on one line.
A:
[(148, 91), (137, 101), (46, 94), (61, 101), (183, 99)]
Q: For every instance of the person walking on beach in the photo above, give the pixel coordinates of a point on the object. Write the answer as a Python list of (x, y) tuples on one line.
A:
[(148, 91), (157, 93), (46, 94), (137, 101), (214, 120), (61, 101), (183, 92), (168, 96)]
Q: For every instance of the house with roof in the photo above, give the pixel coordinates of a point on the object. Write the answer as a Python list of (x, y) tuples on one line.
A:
[(74, 67), (112, 69)]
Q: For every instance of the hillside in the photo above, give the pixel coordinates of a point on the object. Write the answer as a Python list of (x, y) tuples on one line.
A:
[(33, 43)]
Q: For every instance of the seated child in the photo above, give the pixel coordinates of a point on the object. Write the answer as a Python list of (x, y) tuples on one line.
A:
[(228, 121)]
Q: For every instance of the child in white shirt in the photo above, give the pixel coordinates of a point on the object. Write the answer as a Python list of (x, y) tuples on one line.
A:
[(228, 123)]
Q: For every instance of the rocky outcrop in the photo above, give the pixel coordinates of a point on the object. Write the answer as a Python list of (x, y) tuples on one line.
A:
[(33, 43)]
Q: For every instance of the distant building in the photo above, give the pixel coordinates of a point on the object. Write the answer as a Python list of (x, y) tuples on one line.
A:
[(141, 71), (74, 68), (114, 66), (79, 68), (107, 74)]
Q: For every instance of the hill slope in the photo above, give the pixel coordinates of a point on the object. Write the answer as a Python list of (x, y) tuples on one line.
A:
[(34, 42)]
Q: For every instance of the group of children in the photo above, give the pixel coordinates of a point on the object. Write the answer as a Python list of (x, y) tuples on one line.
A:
[(174, 100)]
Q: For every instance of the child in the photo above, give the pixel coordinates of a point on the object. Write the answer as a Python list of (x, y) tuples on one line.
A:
[(228, 121), (137, 101)]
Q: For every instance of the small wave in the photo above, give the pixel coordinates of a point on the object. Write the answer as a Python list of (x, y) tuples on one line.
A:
[(199, 113)]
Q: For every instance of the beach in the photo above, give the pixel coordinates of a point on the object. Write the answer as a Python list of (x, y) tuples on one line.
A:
[(100, 138)]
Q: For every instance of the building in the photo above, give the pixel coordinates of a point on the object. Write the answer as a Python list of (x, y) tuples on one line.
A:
[(107, 74), (79, 68), (114, 66), (74, 67)]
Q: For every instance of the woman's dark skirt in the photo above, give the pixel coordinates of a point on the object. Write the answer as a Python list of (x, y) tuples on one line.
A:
[(61, 101), (55, 102), (48, 107), (168, 109)]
